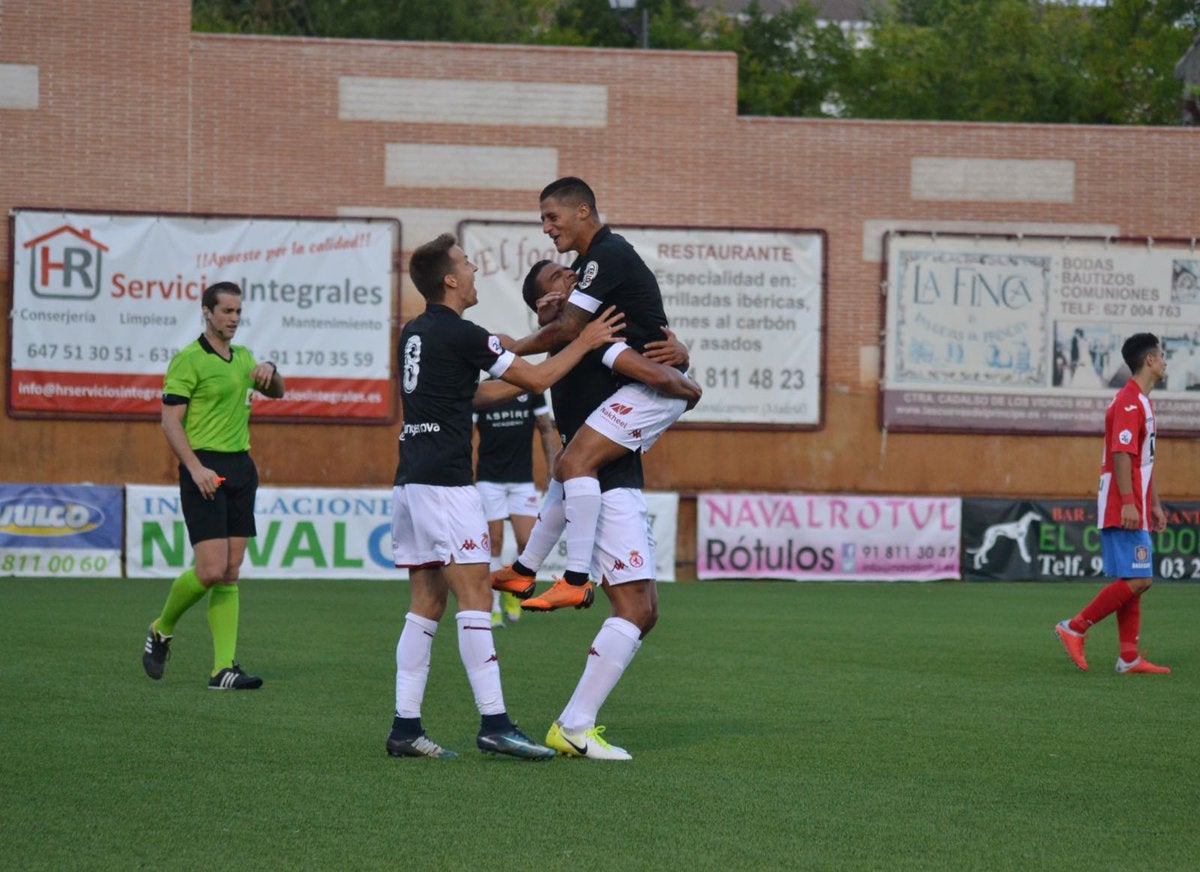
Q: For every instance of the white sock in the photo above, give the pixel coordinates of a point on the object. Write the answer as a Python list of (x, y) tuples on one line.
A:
[(552, 518), (582, 498), (412, 664), (495, 562), (478, 653), (495, 601), (611, 651)]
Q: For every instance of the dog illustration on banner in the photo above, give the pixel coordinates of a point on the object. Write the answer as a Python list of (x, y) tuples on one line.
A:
[(1017, 530)]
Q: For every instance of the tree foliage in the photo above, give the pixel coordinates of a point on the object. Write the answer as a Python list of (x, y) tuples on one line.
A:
[(969, 60)]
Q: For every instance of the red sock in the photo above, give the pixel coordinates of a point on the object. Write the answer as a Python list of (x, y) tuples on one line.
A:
[(1111, 597), (1129, 619)]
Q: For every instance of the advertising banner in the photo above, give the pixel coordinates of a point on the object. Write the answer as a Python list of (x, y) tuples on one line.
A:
[(60, 530), (1058, 540), (998, 333), (302, 533), (102, 302), (748, 303), (321, 533), (809, 537)]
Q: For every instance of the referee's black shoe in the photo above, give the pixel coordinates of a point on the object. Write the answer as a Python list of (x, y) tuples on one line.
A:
[(155, 653), (233, 678)]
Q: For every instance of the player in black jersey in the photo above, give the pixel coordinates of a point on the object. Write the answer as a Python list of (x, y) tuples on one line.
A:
[(633, 415), (624, 554), (504, 477), (438, 529)]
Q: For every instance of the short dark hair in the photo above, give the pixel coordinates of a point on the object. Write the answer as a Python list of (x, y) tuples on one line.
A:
[(1136, 348), (208, 299), (430, 264), (529, 287), (571, 190)]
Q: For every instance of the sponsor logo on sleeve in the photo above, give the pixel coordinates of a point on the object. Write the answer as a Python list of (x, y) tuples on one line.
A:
[(1125, 437), (589, 275)]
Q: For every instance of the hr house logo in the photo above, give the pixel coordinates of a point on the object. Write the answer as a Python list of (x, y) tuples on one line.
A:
[(65, 263)]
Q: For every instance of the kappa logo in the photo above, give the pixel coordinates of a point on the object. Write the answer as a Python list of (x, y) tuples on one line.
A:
[(592, 652), (620, 408), (468, 545), (635, 560), (495, 658), (636, 433), (618, 564), (1016, 530)]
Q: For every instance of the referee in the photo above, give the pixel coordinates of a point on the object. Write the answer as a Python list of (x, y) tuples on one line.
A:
[(206, 419)]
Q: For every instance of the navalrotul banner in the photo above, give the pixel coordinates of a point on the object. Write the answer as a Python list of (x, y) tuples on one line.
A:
[(102, 302), (821, 537), (749, 304), (1024, 334)]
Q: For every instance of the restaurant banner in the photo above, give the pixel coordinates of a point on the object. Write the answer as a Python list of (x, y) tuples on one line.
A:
[(810, 537), (101, 302), (749, 304), (1002, 333)]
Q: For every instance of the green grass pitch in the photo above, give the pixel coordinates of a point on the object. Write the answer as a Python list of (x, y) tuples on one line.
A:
[(773, 726)]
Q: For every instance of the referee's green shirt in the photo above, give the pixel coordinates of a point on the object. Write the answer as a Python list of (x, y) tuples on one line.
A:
[(218, 392)]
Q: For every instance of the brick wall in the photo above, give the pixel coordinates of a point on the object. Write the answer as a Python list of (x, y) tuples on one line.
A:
[(131, 111)]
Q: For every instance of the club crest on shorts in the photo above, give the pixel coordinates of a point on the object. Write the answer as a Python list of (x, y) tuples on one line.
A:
[(1141, 554), (589, 274)]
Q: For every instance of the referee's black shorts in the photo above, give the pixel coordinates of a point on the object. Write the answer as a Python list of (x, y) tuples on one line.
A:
[(230, 513)]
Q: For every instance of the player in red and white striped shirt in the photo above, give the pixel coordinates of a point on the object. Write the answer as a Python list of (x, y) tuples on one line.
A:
[(1128, 509)]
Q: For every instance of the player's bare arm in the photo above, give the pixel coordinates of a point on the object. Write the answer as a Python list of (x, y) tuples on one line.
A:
[(666, 380), (669, 351), (569, 323), (494, 391), (539, 378), (1123, 478), (549, 439)]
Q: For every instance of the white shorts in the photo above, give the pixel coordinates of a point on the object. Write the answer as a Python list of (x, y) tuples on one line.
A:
[(624, 541), (434, 526), (635, 416), (503, 499)]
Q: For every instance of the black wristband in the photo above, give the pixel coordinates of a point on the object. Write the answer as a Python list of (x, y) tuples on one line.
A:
[(274, 368)]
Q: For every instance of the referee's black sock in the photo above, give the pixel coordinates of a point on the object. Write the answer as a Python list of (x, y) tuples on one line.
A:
[(575, 577)]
